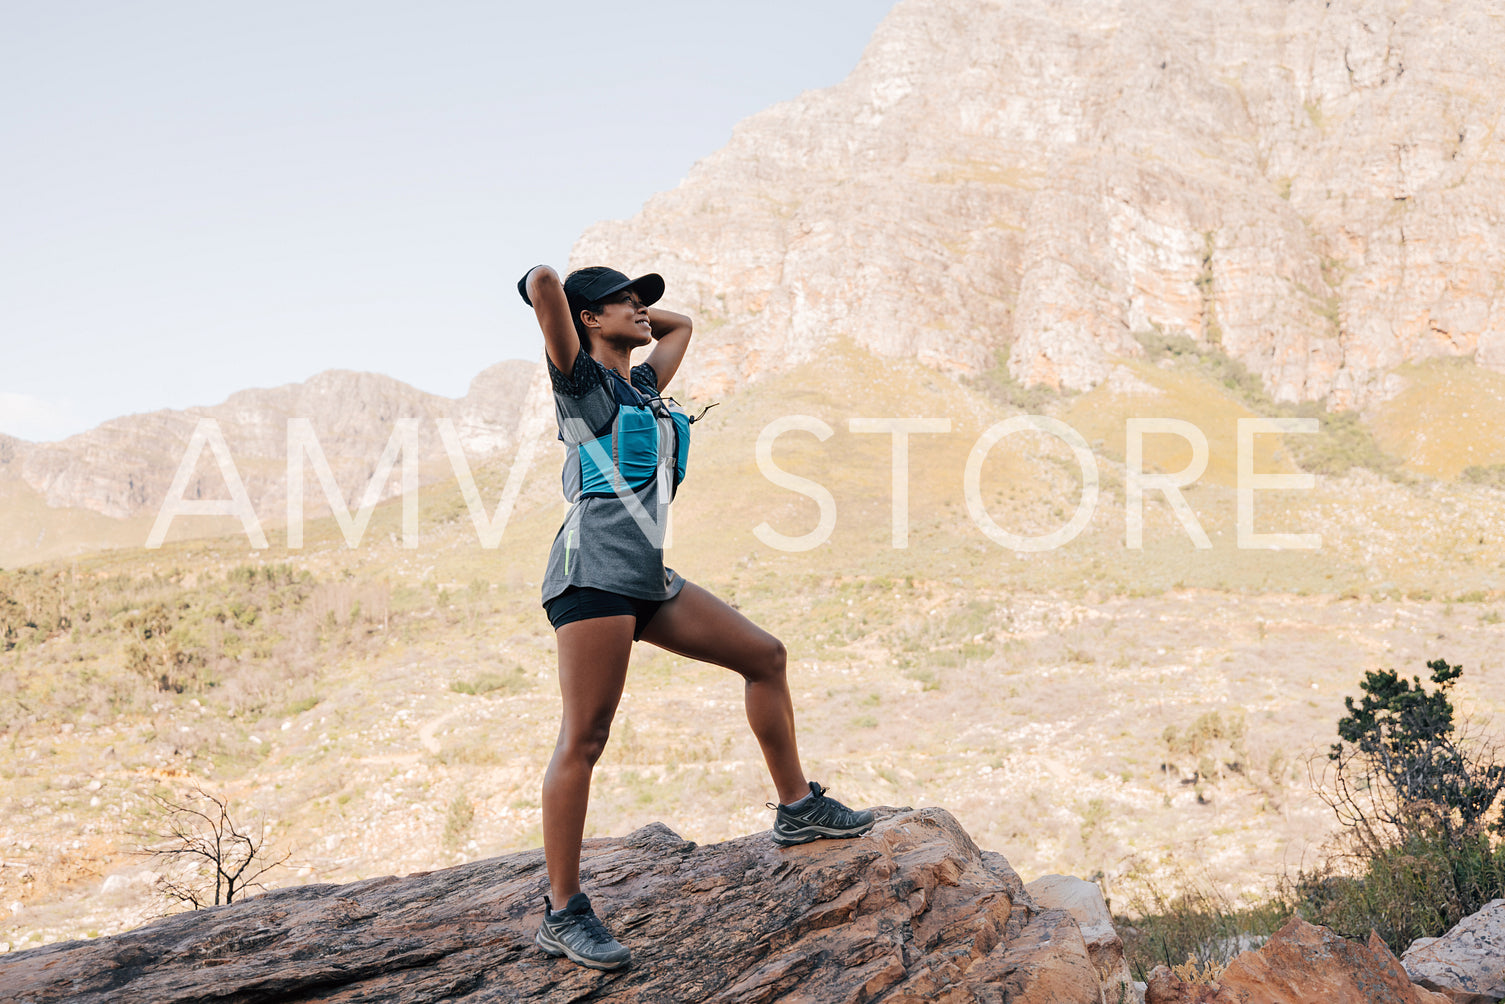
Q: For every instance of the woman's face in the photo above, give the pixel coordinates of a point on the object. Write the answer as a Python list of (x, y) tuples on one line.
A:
[(623, 318)]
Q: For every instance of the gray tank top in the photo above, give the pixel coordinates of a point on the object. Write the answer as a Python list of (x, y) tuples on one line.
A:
[(622, 446)]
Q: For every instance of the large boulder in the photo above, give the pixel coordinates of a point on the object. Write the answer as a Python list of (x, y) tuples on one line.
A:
[(913, 913), (1467, 963), (1301, 964), (1084, 901)]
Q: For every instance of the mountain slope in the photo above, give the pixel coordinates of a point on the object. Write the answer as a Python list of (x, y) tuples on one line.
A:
[(1310, 186), (104, 487)]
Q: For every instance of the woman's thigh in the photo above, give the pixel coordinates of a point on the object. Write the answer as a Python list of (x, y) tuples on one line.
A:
[(593, 657), (701, 626)]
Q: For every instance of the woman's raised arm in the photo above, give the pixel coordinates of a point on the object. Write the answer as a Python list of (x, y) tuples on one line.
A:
[(672, 333), (542, 289)]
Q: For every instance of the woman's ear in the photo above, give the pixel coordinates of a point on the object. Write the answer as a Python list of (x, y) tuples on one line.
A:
[(588, 321)]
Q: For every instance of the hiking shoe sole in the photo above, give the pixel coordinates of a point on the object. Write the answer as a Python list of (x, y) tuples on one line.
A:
[(805, 834)]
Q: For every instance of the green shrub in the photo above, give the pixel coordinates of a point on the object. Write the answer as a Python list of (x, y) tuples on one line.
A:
[(1200, 922), (1342, 443), (999, 384), (1417, 888), (1419, 802), (1401, 768)]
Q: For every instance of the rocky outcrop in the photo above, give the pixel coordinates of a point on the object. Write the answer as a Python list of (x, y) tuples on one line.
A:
[(126, 466), (1300, 964), (1084, 901), (1468, 962), (913, 912), (1311, 186)]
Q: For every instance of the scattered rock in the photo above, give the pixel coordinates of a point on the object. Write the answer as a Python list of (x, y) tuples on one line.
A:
[(912, 913), (123, 881), (1467, 963), (1301, 964)]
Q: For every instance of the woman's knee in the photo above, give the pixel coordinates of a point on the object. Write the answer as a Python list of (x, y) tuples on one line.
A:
[(768, 662), (585, 744)]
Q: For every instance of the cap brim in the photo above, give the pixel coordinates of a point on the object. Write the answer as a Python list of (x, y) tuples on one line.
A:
[(649, 288)]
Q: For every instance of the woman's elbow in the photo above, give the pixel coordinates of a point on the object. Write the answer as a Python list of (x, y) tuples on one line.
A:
[(538, 279)]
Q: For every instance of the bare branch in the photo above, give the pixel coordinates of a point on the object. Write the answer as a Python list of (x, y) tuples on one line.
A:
[(200, 828)]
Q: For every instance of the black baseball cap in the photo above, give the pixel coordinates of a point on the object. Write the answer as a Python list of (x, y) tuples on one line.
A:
[(592, 285)]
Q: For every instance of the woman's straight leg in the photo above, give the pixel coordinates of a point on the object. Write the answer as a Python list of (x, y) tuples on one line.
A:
[(593, 657), (698, 625)]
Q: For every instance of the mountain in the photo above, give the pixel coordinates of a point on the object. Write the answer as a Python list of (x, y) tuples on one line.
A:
[(1311, 187), (104, 487), (1027, 189)]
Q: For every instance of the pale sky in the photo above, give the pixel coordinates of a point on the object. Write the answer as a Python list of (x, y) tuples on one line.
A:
[(199, 198)]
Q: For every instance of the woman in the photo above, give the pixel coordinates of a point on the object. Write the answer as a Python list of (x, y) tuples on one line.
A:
[(606, 585)]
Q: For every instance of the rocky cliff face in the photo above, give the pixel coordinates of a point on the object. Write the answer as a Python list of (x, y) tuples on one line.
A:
[(1313, 186), (125, 467)]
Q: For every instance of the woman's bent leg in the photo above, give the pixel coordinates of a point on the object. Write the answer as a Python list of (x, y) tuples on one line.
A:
[(699, 626), (593, 658)]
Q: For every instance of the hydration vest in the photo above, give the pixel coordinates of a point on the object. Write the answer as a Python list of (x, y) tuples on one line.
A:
[(647, 442)]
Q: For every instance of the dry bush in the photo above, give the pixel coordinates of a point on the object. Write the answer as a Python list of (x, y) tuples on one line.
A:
[(1200, 923), (212, 858)]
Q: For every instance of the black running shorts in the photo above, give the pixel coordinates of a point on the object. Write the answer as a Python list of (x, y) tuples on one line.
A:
[(578, 603)]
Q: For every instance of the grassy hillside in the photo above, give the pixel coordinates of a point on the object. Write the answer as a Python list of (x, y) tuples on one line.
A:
[(1447, 418), (392, 709)]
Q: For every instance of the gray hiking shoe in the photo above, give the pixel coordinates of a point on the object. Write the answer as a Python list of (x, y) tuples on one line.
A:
[(577, 932), (819, 816)]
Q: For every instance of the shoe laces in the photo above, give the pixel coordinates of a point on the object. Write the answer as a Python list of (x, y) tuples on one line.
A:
[(594, 929)]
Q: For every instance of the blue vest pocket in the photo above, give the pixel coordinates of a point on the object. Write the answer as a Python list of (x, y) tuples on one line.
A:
[(635, 432), (637, 445), (681, 442)]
